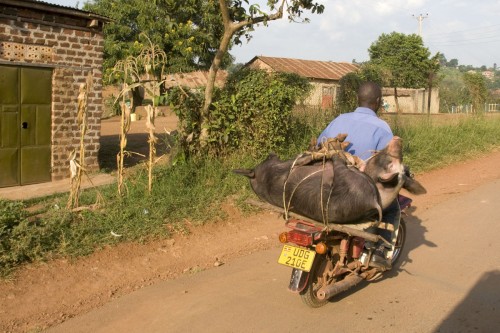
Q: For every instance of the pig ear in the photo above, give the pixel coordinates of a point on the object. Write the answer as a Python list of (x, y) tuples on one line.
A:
[(245, 172), (388, 178), (414, 187)]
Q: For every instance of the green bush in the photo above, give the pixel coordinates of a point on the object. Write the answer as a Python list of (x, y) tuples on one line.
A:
[(252, 113), (12, 215)]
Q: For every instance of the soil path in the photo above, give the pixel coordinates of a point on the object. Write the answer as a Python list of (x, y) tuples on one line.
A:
[(44, 294)]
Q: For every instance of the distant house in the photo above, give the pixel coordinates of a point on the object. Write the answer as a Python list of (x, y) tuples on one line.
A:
[(490, 75), (194, 80), (411, 100), (323, 75)]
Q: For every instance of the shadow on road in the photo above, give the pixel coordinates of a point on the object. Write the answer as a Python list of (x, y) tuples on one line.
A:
[(480, 309), (415, 237)]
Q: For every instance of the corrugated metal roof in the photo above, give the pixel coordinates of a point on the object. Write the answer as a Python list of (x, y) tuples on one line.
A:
[(314, 69), (42, 5), (50, 4)]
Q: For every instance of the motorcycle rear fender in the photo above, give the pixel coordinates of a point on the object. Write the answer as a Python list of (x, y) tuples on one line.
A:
[(298, 280)]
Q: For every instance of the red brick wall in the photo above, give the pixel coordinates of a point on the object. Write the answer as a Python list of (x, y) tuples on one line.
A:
[(73, 51)]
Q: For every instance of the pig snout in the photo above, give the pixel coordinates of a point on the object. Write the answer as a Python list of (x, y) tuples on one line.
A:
[(395, 147)]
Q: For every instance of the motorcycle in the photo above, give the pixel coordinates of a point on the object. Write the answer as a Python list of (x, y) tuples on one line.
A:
[(332, 259)]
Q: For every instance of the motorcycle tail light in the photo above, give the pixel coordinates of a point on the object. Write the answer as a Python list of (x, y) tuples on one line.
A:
[(300, 238), (321, 248), (283, 237)]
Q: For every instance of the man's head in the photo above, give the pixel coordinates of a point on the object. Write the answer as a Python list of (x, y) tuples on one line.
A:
[(370, 96)]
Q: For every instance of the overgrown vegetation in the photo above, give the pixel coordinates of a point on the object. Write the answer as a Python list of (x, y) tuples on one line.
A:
[(457, 89), (190, 192), (430, 143), (252, 113)]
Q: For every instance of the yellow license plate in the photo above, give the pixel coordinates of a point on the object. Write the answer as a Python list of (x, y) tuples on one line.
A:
[(297, 257)]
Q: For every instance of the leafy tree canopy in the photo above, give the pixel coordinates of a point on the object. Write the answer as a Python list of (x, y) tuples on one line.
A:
[(477, 92), (458, 88), (406, 58), (187, 30), (251, 113), (452, 63)]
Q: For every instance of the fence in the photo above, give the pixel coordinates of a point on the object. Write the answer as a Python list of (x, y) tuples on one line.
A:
[(468, 108), (492, 107)]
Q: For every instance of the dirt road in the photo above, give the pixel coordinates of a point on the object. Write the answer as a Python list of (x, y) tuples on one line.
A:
[(46, 294), (448, 282)]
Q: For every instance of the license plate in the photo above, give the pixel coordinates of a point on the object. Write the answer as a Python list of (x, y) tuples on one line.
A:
[(297, 257)]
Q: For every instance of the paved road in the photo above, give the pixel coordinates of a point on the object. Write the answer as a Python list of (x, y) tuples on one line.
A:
[(449, 281)]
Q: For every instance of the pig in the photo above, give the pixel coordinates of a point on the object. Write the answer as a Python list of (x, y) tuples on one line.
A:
[(386, 168), (331, 191)]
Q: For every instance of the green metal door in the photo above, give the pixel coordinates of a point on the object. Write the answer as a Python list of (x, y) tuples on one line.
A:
[(25, 125)]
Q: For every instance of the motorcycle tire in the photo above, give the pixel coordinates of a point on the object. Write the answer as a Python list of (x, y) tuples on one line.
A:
[(309, 294), (400, 242)]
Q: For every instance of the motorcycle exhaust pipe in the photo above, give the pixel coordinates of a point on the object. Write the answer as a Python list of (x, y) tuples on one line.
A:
[(333, 289)]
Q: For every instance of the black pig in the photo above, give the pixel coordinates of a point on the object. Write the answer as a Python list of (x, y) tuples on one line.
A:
[(332, 191)]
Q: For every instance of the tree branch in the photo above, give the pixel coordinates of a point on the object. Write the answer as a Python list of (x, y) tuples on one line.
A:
[(254, 20)]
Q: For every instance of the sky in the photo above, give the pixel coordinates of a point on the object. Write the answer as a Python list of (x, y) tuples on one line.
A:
[(465, 30)]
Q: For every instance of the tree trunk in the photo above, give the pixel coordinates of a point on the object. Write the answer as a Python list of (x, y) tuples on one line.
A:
[(396, 100), (431, 76), (230, 28), (212, 74), (138, 97)]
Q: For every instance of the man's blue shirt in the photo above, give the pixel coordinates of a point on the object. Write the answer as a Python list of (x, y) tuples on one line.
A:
[(365, 131)]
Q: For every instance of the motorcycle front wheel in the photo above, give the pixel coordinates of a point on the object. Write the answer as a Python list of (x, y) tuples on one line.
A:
[(314, 283)]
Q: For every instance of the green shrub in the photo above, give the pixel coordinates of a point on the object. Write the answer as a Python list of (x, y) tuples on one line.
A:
[(252, 113)]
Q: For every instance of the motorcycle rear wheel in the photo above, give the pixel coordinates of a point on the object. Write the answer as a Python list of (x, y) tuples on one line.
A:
[(314, 283), (400, 242)]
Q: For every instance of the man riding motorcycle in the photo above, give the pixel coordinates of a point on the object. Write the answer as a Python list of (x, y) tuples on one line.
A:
[(367, 133)]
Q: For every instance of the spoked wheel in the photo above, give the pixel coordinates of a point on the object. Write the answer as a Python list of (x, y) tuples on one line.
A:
[(315, 283), (400, 241)]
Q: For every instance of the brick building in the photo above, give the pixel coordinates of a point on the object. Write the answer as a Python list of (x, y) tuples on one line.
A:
[(46, 52)]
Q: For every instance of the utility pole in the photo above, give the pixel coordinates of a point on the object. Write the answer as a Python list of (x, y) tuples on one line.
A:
[(420, 18)]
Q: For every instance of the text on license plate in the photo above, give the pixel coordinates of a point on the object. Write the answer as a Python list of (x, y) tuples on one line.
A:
[(297, 257)]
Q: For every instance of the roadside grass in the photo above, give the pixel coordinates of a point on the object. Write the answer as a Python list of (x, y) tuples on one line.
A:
[(429, 144), (190, 193)]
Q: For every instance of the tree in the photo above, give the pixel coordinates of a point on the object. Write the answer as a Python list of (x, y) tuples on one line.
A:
[(477, 90), (452, 63), (457, 88), (442, 60), (188, 31), (347, 96), (451, 89), (250, 114), (239, 21), (407, 60)]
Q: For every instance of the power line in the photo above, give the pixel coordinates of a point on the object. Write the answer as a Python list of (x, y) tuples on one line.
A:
[(463, 42), (465, 30)]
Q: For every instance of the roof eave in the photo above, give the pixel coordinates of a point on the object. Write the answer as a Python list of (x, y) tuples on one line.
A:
[(55, 9)]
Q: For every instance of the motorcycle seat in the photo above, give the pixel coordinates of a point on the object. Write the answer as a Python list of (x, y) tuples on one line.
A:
[(371, 224)]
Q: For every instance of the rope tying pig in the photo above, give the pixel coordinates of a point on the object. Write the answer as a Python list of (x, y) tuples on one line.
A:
[(328, 148)]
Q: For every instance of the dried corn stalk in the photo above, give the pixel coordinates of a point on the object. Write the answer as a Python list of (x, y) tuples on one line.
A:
[(76, 167), (153, 59), (125, 106), (150, 125)]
